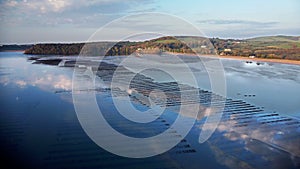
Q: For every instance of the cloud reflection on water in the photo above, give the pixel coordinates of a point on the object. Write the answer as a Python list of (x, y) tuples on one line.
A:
[(42, 76)]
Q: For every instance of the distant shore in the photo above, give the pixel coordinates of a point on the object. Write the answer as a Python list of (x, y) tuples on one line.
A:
[(284, 61), (13, 51)]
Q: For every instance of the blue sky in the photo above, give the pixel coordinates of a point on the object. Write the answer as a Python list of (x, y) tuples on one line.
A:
[(32, 21)]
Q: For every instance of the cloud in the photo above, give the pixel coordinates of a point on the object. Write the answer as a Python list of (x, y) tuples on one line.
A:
[(234, 28), (236, 22), (47, 6), (78, 13), (42, 6), (11, 3)]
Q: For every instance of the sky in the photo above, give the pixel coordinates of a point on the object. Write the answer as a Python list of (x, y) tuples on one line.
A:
[(36, 21)]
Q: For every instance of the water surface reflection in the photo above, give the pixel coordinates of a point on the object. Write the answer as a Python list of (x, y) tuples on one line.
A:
[(39, 127)]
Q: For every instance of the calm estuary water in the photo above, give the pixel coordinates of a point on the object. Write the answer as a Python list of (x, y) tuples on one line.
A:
[(40, 129)]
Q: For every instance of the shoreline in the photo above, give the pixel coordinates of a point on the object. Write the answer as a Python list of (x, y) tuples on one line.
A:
[(283, 61), (13, 51)]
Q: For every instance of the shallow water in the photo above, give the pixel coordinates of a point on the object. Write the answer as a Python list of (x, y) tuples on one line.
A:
[(40, 129), (275, 86)]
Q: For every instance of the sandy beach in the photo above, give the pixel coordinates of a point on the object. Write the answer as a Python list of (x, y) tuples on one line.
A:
[(284, 61)]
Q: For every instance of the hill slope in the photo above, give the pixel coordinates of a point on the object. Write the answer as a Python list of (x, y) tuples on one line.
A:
[(279, 38)]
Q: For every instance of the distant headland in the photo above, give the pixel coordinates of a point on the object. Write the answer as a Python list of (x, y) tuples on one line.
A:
[(268, 47)]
